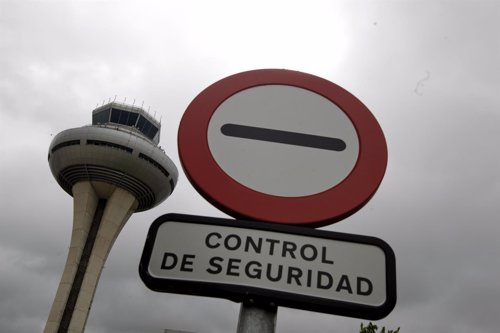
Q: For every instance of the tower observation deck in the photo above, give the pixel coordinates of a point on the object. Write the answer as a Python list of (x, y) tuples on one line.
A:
[(120, 148), (112, 169)]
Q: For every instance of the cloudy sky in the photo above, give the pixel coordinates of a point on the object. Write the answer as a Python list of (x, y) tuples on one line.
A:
[(428, 70)]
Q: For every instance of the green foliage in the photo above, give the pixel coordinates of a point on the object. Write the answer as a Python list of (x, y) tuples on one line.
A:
[(372, 328)]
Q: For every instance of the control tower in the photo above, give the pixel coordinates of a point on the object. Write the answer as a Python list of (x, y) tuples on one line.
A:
[(112, 169)]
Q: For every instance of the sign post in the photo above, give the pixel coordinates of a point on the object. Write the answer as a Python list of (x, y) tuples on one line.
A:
[(257, 319)]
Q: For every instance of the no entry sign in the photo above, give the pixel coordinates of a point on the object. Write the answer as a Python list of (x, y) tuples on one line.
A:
[(282, 146), (303, 268)]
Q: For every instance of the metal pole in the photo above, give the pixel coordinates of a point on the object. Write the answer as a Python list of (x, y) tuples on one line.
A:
[(255, 318)]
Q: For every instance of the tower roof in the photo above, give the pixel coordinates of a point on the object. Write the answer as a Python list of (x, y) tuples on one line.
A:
[(124, 115)]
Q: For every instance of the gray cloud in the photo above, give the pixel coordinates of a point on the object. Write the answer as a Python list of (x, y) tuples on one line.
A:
[(428, 70)]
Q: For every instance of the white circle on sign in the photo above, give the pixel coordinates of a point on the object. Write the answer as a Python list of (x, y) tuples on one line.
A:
[(283, 140)]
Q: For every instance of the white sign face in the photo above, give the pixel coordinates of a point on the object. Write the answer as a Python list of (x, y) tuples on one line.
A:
[(283, 140), (302, 265)]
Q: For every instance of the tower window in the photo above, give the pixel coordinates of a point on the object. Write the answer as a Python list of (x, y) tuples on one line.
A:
[(156, 164), (131, 119), (115, 115), (65, 144), (101, 117), (147, 128), (123, 117), (109, 144)]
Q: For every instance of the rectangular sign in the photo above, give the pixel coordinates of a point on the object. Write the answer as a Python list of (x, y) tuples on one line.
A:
[(297, 267)]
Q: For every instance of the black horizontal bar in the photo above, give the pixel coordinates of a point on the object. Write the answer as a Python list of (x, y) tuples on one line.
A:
[(286, 137)]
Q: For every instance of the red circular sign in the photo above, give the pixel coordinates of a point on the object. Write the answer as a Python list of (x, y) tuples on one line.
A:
[(258, 145)]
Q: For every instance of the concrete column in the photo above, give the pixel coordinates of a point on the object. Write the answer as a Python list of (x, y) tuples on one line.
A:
[(84, 206), (119, 206), (118, 209)]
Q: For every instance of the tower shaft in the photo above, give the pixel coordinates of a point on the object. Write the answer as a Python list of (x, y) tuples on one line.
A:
[(100, 211)]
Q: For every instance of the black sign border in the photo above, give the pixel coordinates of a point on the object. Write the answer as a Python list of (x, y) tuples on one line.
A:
[(266, 297)]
